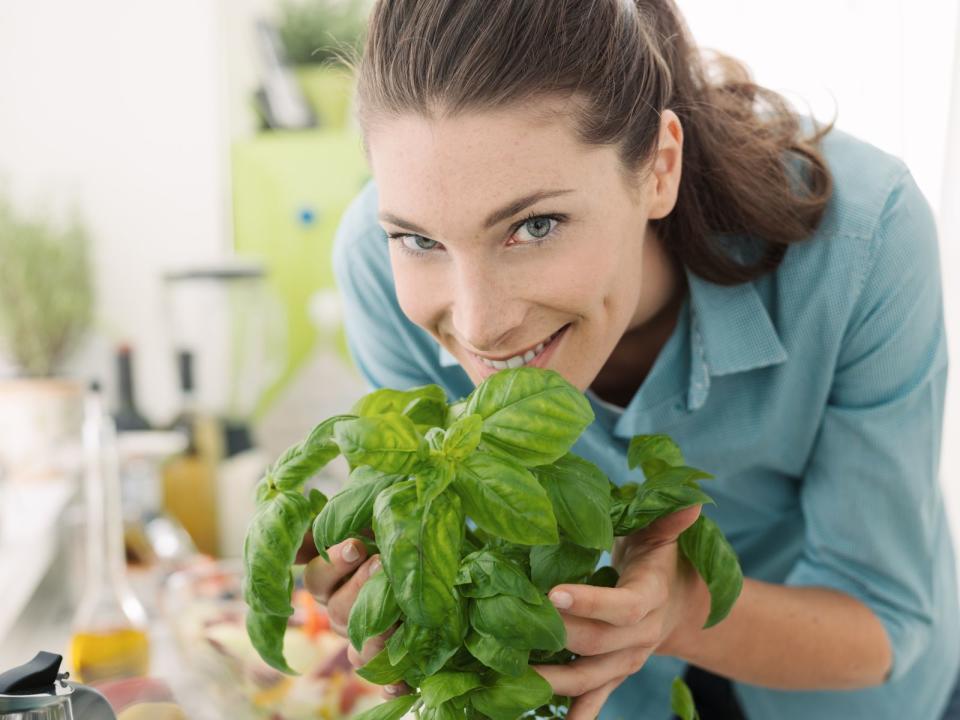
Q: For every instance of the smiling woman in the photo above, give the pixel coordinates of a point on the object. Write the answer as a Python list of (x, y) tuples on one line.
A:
[(576, 186)]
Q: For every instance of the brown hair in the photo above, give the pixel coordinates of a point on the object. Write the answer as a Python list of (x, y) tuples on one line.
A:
[(621, 62)]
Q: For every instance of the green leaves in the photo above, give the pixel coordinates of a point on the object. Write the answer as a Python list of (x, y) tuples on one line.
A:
[(269, 549), (681, 701), (393, 710), (580, 495), (420, 550), (426, 406), (462, 437), (266, 634), (389, 443), (351, 510), (564, 562), (504, 499), (646, 450), (530, 416), (708, 550), (518, 624), (509, 697), (469, 605), (438, 689), (374, 611), (301, 461), (492, 653)]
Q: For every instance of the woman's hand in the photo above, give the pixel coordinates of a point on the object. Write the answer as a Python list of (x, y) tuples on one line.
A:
[(336, 584), (615, 630)]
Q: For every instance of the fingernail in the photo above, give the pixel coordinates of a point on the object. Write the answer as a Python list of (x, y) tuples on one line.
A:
[(349, 553), (374, 565), (561, 599), (391, 689)]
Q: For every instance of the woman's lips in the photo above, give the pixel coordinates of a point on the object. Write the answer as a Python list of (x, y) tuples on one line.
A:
[(539, 361)]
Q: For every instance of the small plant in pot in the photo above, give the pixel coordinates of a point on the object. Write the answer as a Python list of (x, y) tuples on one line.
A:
[(316, 35), (46, 309)]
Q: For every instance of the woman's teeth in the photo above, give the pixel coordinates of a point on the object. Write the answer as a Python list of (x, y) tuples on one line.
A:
[(517, 360)]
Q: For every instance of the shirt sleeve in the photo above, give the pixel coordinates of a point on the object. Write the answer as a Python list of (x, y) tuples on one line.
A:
[(382, 341), (870, 495)]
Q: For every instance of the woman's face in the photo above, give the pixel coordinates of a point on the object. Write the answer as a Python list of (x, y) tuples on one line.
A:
[(512, 243)]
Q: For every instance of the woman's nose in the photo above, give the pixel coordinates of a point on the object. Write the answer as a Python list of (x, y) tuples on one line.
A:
[(484, 314)]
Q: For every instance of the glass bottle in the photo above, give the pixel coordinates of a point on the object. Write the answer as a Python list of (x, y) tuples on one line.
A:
[(190, 479), (109, 638), (126, 415)]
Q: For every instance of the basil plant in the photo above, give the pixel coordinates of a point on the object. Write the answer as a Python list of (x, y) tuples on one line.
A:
[(477, 510)]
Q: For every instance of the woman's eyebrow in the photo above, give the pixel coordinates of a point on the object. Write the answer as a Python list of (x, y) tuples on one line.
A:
[(495, 217)]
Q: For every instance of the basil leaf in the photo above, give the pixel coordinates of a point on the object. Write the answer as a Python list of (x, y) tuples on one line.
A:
[(429, 648), (392, 710), (426, 412), (420, 550), (620, 498), (396, 647), (487, 573), (374, 611), (269, 550), (678, 474), (509, 697), (580, 495), (656, 499), (644, 449), (432, 479), (462, 437), (266, 634), (381, 671), (455, 411), (518, 624), (711, 554), (530, 415), (681, 701), (387, 400), (389, 443), (351, 510), (443, 686), (504, 499), (493, 654), (301, 461), (447, 711), (565, 562)]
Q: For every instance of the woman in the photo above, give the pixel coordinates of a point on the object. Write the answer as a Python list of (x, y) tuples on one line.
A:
[(569, 185)]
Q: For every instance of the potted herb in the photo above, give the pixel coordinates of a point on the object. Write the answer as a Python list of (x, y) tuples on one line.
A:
[(316, 35), (46, 307)]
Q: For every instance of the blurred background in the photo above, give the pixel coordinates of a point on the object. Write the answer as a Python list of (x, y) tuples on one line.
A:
[(171, 175)]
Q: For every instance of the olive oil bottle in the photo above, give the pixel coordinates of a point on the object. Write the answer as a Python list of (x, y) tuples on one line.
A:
[(109, 637)]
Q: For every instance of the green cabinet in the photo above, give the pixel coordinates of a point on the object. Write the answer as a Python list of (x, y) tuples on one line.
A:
[(289, 191)]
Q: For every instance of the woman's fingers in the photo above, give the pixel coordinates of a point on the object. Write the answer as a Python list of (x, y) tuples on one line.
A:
[(621, 606), (590, 673), (321, 578), (592, 637), (341, 601), (588, 705)]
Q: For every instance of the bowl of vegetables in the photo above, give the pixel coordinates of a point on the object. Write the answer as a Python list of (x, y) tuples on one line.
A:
[(222, 674)]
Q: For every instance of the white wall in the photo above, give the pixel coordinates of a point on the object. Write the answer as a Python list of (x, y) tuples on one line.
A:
[(116, 106)]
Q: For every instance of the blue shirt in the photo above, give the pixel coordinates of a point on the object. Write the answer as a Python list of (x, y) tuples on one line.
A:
[(815, 396)]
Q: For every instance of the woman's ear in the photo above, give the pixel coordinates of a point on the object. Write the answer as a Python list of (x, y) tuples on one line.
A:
[(665, 181)]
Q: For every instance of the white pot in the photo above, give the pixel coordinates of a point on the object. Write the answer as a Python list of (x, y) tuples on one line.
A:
[(40, 425)]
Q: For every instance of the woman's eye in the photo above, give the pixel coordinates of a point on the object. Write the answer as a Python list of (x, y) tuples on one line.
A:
[(538, 227), (417, 243)]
